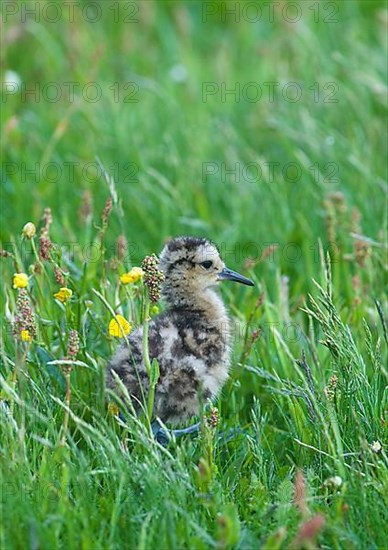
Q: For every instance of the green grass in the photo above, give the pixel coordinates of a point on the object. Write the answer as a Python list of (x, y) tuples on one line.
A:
[(111, 486)]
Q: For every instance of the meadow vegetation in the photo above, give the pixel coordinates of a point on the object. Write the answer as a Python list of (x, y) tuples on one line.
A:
[(148, 123)]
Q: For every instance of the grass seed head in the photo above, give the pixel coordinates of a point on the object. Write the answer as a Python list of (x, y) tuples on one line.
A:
[(24, 327), (86, 207), (331, 388), (153, 278), (107, 211), (59, 277), (212, 417), (73, 344), (121, 247)]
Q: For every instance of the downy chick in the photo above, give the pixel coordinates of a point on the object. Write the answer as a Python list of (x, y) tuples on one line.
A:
[(191, 340)]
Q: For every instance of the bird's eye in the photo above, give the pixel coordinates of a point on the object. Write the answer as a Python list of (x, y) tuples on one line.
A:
[(207, 264)]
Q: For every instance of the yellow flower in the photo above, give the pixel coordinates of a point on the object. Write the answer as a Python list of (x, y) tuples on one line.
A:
[(63, 295), (20, 280), (29, 230), (119, 327), (25, 336), (132, 276), (113, 409)]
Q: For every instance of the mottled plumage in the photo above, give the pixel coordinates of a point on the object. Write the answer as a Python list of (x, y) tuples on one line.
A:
[(191, 340)]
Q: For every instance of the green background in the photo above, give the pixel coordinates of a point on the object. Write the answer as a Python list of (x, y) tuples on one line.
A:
[(157, 132)]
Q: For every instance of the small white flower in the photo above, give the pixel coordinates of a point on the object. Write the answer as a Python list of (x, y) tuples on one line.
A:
[(11, 77), (335, 481), (376, 446), (178, 73)]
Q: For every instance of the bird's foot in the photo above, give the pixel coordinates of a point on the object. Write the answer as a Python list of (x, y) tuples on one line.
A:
[(163, 436)]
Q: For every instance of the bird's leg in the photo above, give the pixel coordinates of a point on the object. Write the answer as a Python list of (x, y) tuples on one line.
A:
[(163, 436), (190, 430)]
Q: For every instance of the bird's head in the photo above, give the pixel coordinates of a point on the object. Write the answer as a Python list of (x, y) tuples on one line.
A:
[(194, 264)]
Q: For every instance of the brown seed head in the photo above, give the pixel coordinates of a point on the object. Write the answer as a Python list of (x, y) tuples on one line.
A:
[(73, 344), (152, 277), (107, 211), (86, 207), (59, 277), (121, 247), (45, 246), (24, 318)]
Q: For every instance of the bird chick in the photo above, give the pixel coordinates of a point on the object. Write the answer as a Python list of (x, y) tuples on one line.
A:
[(191, 340)]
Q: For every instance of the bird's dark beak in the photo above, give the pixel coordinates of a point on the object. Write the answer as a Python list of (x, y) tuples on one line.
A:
[(229, 275)]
